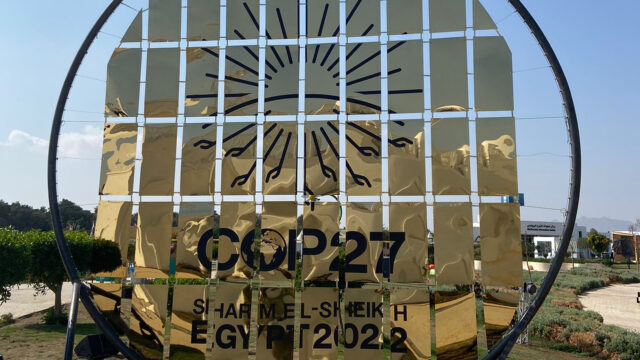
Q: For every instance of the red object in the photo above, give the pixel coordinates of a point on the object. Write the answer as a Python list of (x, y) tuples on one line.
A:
[(431, 266)]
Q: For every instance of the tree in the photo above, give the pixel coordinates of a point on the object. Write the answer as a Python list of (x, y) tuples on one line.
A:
[(74, 217), (24, 217), (47, 272), (598, 243), (15, 260)]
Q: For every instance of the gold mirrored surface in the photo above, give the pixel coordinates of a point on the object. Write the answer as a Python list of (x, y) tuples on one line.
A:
[(321, 154), (406, 157), (118, 159), (456, 332), (499, 310), (321, 240), (318, 327), (108, 299), (323, 18), (203, 20), (363, 78), (278, 242), (237, 222), (164, 20), (231, 321), (364, 151), (161, 88), (448, 58), (280, 153), (447, 15), (481, 18), (497, 164), (147, 323), (276, 315), (134, 31), (241, 79), (189, 322), (197, 172), (239, 159), (453, 243), (281, 84), (153, 240), (501, 247), (450, 156), (195, 235), (405, 76), (408, 242), (282, 19), (157, 169), (363, 323), (493, 74), (246, 15), (123, 83), (364, 18), (410, 324), (362, 250), (201, 87), (404, 16), (113, 222)]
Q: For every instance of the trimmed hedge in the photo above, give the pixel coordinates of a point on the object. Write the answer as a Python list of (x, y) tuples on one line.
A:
[(15, 260)]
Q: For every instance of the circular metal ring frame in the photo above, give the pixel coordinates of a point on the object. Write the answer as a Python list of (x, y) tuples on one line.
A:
[(500, 350)]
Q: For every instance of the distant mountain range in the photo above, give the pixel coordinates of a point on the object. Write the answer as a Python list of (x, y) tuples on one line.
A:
[(604, 224)]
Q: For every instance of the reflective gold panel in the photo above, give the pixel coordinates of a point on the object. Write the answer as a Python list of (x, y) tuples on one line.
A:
[(278, 242), (323, 18), (108, 298), (134, 31), (123, 83), (276, 315), (448, 71), (453, 243), (203, 20), (404, 16), (450, 156), (246, 15), (231, 321), (408, 242), (202, 82), (363, 324), (198, 159), (321, 154), (235, 245), (161, 88), (147, 323), (280, 153), (239, 159), (481, 18), (493, 74), (241, 79), (405, 76), (153, 240), (118, 159), (410, 324), (164, 20), (364, 18), (406, 157), (189, 322), (321, 241), (456, 332), (363, 248), (363, 77), (501, 247), (282, 19), (157, 169), (281, 84), (499, 310), (113, 222), (195, 240), (319, 316), (497, 165), (364, 166), (447, 15)]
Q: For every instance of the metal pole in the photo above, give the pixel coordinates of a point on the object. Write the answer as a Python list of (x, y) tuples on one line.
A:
[(71, 322)]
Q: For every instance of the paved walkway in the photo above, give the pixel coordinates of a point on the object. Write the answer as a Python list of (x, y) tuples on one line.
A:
[(22, 301), (617, 305)]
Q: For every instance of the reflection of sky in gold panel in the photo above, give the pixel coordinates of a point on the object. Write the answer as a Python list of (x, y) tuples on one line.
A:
[(203, 20), (450, 156), (123, 83), (157, 169), (161, 87), (201, 86), (198, 161)]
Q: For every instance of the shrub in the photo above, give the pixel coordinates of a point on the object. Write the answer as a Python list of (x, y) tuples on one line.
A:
[(607, 262), (51, 317), (15, 260), (626, 345), (6, 319)]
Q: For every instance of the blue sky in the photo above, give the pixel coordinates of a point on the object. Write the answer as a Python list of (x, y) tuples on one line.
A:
[(596, 42)]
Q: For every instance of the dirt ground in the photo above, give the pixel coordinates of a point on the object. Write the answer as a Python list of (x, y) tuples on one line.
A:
[(617, 305)]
